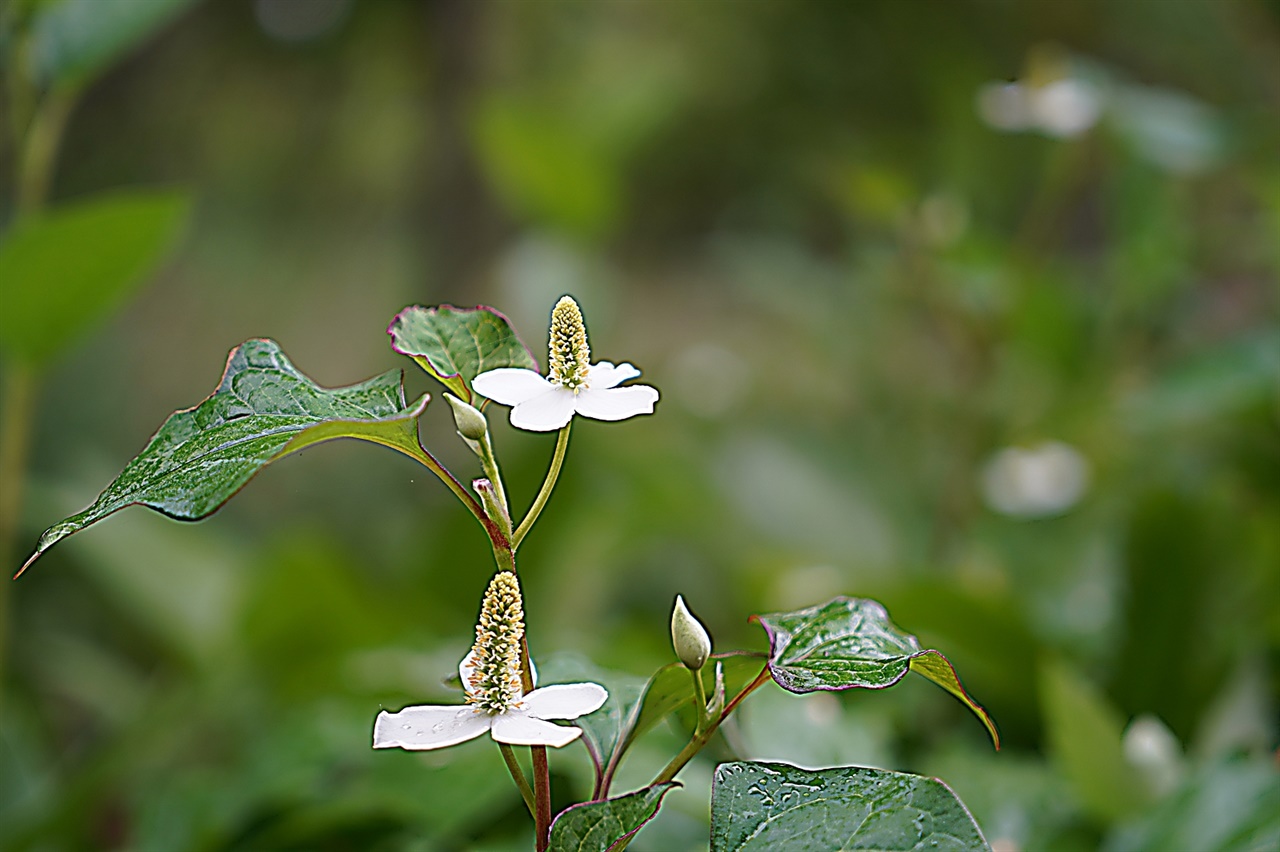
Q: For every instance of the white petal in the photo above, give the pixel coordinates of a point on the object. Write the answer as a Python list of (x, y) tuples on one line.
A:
[(546, 412), (616, 403), (466, 669), (604, 375), (427, 726), (516, 727), (510, 385), (565, 700)]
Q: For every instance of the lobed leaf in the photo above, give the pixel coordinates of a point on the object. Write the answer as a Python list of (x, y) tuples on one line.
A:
[(262, 410), (850, 643), (63, 271), (454, 345), (602, 826), (775, 806)]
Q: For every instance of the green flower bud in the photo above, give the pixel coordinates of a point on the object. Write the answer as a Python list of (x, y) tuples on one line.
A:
[(470, 422), (689, 637)]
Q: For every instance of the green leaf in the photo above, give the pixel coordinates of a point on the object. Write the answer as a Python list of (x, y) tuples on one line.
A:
[(1228, 807), (777, 807), (65, 270), (671, 688), (635, 705), (850, 643), (262, 410), (600, 826), (454, 345), (74, 40), (1085, 733)]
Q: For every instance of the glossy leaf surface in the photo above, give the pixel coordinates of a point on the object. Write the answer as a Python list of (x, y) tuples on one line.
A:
[(850, 643), (63, 271), (454, 345), (262, 410), (600, 826), (774, 806)]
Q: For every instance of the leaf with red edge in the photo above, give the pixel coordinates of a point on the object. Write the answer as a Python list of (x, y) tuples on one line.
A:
[(849, 643), (602, 826), (454, 345)]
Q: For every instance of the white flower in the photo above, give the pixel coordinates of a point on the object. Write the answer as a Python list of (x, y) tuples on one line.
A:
[(540, 405), (574, 386), (495, 700), (427, 726)]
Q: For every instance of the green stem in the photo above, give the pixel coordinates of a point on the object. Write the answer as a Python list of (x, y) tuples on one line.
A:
[(490, 465), (557, 460), (700, 700), (701, 739), (517, 775), (40, 151)]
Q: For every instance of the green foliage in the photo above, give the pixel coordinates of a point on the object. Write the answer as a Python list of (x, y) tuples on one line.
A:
[(262, 410), (454, 345), (75, 40), (850, 643), (600, 826), (62, 272), (1084, 732), (773, 806), (1232, 806)]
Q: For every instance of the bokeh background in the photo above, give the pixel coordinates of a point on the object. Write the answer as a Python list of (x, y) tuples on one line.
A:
[(969, 306)]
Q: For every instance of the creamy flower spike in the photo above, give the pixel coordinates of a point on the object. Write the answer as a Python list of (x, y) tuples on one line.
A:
[(495, 700), (574, 385)]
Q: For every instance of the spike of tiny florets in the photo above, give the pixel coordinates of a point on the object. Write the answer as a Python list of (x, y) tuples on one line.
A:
[(495, 683), (569, 353)]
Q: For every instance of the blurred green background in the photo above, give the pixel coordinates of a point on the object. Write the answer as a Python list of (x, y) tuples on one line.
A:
[(969, 306)]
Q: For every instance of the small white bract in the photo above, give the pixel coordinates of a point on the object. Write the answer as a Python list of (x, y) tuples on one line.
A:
[(425, 727), (574, 386), (495, 701)]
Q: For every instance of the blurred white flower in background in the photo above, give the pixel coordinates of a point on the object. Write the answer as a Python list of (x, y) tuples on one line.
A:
[(1060, 108), (1033, 482), (1154, 750)]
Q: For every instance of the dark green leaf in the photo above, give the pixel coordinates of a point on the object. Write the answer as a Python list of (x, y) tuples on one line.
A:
[(63, 271), (73, 40), (850, 643), (262, 410), (454, 345), (777, 807), (599, 826)]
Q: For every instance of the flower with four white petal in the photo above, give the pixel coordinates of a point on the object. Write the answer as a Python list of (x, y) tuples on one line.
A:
[(574, 385), (495, 700)]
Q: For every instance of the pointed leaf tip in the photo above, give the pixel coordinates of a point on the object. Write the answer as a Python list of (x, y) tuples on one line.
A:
[(849, 643), (262, 410)]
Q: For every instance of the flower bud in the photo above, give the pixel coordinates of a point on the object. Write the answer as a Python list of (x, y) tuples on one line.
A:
[(470, 422), (689, 637)]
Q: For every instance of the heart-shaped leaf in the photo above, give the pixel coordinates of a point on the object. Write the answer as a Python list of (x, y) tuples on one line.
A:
[(848, 643), (63, 271), (602, 826), (774, 806), (454, 345), (262, 410)]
